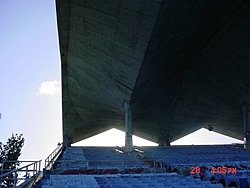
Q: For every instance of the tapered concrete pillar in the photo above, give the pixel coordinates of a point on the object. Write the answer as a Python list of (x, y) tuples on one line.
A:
[(128, 128), (246, 110), (164, 141), (66, 142)]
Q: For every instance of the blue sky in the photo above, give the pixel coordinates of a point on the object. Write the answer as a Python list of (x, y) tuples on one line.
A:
[(30, 95), (29, 56)]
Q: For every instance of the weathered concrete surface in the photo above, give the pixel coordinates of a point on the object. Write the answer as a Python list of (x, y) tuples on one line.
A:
[(183, 65)]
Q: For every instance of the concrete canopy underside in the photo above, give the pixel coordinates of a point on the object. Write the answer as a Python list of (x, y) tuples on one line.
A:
[(183, 65)]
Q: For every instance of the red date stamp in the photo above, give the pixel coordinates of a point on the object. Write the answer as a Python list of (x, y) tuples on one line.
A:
[(223, 170), (195, 170), (214, 170)]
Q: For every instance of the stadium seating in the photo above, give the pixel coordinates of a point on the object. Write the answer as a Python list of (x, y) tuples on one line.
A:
[(97, 160), (148, 167), (122, 181)]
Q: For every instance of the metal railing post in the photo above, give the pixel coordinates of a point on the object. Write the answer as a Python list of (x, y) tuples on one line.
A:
[(2, 167), (39, 168), (15, 179), (26, 175), (34, 168)]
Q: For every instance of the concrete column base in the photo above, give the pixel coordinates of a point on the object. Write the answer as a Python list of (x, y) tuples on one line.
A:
[(246, 110), (128, 128)]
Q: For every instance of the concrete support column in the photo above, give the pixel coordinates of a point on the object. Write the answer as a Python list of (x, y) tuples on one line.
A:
[(128, 128), (246, 109), (164, 141), (66, 142)]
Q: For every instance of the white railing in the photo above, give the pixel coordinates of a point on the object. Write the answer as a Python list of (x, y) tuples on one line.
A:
[(49, 161), (20, 174), (33, 169), (98, 164)]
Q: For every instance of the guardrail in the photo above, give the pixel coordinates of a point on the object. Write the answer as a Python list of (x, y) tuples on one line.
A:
[(50, 160), (31, 171), (90, 164), (21, 173)]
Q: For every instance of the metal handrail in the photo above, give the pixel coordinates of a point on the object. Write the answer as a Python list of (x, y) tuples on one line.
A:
[(12, 161), (49, 161), (122, 163), (36, 169)]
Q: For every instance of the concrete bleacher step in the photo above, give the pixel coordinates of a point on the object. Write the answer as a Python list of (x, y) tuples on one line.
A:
[(74, 171), (120, 181)]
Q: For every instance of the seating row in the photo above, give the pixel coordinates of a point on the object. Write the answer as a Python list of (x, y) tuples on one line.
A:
[(96, 157), (120, 181)]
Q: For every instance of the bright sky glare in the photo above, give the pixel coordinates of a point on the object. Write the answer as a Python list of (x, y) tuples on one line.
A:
[(199, 137), (30, 79)]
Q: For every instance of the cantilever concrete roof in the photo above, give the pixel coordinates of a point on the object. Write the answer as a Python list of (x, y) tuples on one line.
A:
[(183, 65)]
